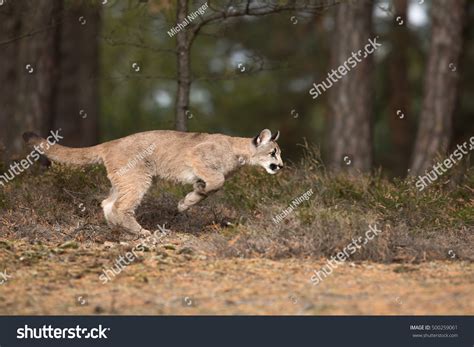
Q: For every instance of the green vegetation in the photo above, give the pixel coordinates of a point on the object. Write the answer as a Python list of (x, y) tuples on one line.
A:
[(64, 203)]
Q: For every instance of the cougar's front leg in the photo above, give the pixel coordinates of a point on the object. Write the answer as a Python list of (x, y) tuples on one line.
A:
[(209, 181)]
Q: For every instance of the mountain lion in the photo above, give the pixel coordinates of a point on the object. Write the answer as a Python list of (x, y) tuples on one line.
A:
[(204, 160)]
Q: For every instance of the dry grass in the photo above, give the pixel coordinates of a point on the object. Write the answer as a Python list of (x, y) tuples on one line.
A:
[(51, 206)]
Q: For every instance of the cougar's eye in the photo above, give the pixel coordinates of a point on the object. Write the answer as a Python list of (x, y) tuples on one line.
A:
[(273, 153)]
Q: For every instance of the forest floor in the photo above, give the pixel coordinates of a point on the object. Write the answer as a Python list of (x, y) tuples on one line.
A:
[(165, 279), (228, 255)]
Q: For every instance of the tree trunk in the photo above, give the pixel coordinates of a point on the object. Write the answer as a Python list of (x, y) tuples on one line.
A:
[(77, 104), (11, 28), (399, 111), (350, 116), (38, 67), (440, 85), (184, 74)]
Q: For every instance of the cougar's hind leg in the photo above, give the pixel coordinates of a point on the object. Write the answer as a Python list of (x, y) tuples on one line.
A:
[(120, 207), (107, 206)]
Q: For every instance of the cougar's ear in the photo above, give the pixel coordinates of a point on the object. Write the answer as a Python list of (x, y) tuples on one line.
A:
[(263, 138), (275, 136)]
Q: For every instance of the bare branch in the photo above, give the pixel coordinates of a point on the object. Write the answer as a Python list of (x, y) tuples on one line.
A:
[(113, 42), (234, 76), (61, 18), (258, 11), (32, 33), (126, 77)]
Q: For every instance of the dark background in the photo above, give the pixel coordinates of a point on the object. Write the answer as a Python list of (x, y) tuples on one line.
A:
[(84, 80)]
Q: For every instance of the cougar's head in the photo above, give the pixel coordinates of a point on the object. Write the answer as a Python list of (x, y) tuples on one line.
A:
[(267, 152)]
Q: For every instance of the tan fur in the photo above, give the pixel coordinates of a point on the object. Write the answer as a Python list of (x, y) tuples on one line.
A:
[(204, 160)]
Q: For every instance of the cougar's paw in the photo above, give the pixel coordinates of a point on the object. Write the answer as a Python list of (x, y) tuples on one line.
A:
[(200, 185), (182, 206), (144, 233)]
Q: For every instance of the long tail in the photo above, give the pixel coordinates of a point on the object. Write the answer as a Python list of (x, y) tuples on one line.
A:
[(63, 154)]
